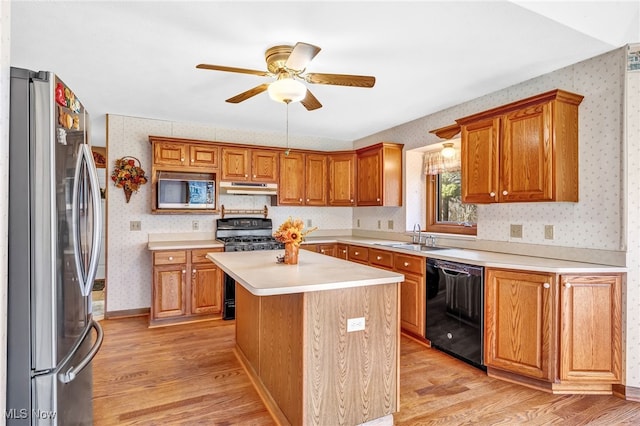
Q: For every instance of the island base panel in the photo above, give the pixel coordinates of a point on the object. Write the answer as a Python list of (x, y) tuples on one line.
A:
[(310, 366)]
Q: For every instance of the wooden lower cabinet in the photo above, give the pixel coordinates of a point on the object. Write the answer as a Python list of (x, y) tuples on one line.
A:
[(519, 322), (560, 333), (186, 287), (412, 293), (341, 251)]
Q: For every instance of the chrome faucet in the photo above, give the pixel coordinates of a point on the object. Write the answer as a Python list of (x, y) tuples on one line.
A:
[(413, 238)]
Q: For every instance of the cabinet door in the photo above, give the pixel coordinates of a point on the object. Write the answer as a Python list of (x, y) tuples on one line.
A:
[(526, 155), (291, 182), (342, 179), (206, 282), (519, 322), (328, 249), (480, 161), (370, 178), (590, 330), (204, 156), (168, 297), (169, 154), (235, 164), (264, 166), (358, 254), (412, 301), (315, 180), (341, 251)]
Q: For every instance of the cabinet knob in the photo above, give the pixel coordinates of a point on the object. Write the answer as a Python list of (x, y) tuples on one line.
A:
[(505, 192), (254, 176), (192, 160), (193, 271), (344, 251), (378, 257), (322, 251), (300, 200), (546, 285), (182, 159), (567, 285), (307, 200), (377, 199), (170, 257), (356, 253), (493, 194), (351, 200), (184, 271), (406, 263)]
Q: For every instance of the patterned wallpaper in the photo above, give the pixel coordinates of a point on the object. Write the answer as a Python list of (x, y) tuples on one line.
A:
[(128, 260), (605, 218)]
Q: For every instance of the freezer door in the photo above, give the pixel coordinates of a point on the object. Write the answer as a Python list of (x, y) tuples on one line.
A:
[(64, 397)]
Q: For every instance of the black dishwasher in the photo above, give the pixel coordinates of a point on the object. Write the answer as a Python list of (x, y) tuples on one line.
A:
[(455, 304)]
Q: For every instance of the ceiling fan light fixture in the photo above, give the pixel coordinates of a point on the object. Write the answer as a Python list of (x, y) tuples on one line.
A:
[(448, 150), (287, 90)]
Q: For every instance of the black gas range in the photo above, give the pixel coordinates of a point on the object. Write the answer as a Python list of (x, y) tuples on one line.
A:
[(242, 234)]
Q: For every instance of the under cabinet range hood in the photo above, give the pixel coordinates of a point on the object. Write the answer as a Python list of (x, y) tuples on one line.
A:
[(248, 188)]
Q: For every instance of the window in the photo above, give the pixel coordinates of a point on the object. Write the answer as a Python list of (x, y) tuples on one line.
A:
[(446, 212)]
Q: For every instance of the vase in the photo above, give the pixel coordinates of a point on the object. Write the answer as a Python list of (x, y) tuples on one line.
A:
[(291, 253)]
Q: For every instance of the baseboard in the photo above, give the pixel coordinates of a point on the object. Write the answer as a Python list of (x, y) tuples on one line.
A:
[(629, 393), (126, 313)]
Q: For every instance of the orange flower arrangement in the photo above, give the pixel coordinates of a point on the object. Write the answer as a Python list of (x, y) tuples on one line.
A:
[(291, 231), (127, 175)]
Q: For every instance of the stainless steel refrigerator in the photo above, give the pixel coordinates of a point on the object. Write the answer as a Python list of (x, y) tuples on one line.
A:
[(55, 226)]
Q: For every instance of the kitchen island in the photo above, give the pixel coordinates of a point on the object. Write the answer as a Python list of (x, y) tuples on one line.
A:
[(320, 339)]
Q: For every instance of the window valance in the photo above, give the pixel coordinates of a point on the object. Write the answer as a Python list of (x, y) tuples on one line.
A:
[(435, 163)]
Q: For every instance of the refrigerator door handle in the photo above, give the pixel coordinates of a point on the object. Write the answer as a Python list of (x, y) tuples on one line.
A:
[(75, 370), (85, 157)]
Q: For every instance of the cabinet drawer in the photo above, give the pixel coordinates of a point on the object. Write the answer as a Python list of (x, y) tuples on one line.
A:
[(358, 254), (412, 264), (382, 258), (169, 257), (200, 255)]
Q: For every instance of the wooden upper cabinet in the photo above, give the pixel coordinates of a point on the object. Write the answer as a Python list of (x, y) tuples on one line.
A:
[(291, 184), (264, 166), (303, 179), (379, 175), (235, 164), (315, 187), (342, 179), (169, 154), (591, 328), (249, 165), (523, 151), (204, 156), (519, 322), (185, 155)]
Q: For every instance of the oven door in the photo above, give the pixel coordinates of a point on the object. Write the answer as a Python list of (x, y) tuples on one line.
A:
[(455, 318)]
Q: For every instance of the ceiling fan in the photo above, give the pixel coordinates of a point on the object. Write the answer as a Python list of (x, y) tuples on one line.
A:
[(287, 64)]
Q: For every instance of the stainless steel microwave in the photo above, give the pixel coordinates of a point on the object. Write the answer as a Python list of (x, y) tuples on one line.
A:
[(186, 190)]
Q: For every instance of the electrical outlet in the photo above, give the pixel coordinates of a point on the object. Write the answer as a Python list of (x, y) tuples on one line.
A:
[(309, 225), (135, 225), (548, 232), (516, 231), (358, 222), (390, 224), (355, 324), (195, 225), (379, 224)]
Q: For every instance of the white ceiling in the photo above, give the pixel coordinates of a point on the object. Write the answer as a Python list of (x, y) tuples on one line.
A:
[(138, 58)]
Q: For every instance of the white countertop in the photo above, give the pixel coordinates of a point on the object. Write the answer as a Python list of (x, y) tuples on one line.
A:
[(261, 275), (183, 244), (484, 258)]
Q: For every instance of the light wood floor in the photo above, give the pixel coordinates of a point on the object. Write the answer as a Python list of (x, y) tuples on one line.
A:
[(188, 375)]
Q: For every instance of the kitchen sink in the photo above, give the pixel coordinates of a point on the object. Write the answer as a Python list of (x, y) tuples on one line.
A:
[(415, 247)]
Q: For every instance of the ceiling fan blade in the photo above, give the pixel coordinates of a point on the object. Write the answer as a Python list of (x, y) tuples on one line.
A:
[(301, 55), (310, 102), (341, 79), (248, 94), (232, 69)]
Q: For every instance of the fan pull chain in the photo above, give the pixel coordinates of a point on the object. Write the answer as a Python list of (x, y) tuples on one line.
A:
[(287, 101)]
